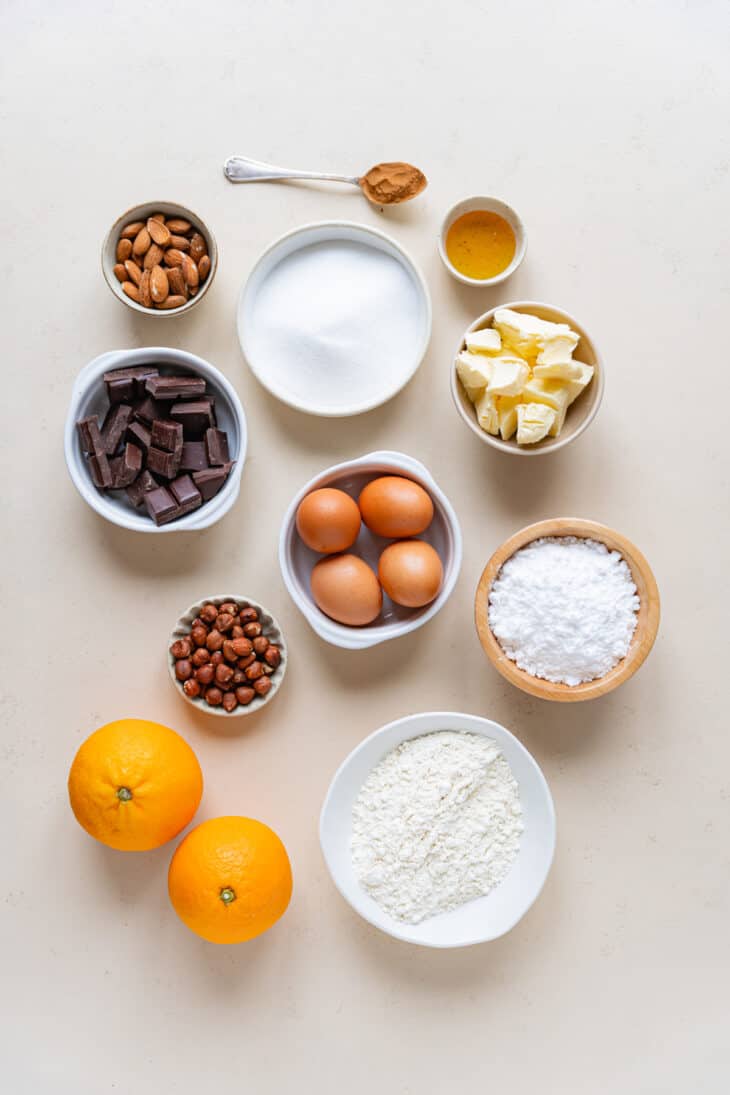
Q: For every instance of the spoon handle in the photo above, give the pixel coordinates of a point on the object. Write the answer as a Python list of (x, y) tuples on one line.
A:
[(240, 169)]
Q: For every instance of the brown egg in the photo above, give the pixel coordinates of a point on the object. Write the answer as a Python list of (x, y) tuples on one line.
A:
[(395, 507), (328, 520), (411, 573), (346, 589)]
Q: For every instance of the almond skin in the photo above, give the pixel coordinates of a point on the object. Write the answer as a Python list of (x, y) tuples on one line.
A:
[(178, 226), (124, 250), (120, 272), (159, 232), (198, 247), (133, 271), (204, 267), (180, 242), (173, 301), (131, 290), (145, 295), (190, 272), (176, 282), (153, 256), (131, 230), (173, 257), (142, 242), (158, 217), (159, 285)]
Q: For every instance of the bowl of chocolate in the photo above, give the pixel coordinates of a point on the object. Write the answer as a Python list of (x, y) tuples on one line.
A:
[(227, 656), (155, 440)]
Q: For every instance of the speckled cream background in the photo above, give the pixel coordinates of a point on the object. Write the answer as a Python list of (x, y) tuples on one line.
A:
[(606, 126)]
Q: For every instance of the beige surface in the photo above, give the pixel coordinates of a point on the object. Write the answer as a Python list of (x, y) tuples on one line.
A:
[(605, 125)]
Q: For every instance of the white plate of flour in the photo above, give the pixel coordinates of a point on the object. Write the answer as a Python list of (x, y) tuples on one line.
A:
[(497, 835), (334, 318)]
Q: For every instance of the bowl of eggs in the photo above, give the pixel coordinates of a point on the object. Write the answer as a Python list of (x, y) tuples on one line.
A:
[(370, 549)]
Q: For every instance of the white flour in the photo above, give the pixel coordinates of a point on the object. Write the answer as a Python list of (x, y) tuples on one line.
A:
[(335, 323), (564, 609), (437, 823)]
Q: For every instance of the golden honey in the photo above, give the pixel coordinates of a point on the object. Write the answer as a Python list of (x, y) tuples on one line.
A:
[(481, 244)]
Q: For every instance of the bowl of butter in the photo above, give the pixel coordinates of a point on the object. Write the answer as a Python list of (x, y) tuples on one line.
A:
[(527, 378)]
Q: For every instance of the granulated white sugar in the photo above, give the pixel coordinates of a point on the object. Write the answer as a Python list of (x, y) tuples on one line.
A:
[(335, 324), (564, 609)]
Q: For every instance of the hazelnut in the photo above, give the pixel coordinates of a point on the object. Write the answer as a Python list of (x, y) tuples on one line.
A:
[(238, 677), (224, 622), (262, 686), (216, 658), (244, 695), (228, 651), (208, 613), (242, 647), (213, 696), (182, 648), (243, 663), (214, 640), (191, 688), (236, 631), (223, 673), (254, 671), (201, 656), (230, 703), (272, 656), (183, 669), (260, 644), (252, 630), (230, 607), (247, 615), (205, 674), (199, 636)]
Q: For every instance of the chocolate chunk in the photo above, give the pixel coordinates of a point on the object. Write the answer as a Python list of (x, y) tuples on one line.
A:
[(121, 390), (194, 456), (115, 423), (166, 464), (161, 505), (186, 494), (167, 435), (126, 468), (210, 480), (196, 417), (175, 387), (139, 374), (89, 435), (139, 435), (217, 444), (147, 410), (137, 490), (100, 470)]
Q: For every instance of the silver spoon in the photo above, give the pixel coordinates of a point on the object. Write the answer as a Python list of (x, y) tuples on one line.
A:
[(384, 184)]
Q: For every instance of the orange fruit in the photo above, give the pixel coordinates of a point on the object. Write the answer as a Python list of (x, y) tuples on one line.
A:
[(230, 879), (134, 784)]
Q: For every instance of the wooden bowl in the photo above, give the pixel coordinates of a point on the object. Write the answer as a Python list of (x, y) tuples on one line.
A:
[(647, 622)]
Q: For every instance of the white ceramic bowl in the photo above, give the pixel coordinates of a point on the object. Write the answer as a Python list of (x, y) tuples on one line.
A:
[(296, 559), (580, 413), (488, 205), (341, 401), (89, 397), (477, 921), (141, 213), (272, 631)]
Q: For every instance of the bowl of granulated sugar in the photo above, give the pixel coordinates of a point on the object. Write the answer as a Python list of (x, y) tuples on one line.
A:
[(567, 609)]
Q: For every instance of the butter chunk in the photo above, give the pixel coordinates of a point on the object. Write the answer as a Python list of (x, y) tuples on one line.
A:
[(474, 371), (487, 415), (558, 370), (487, 341), (559, 348), (575, 386), (509, 375), (525, 333), (507, 413), (551, 392), (534, 421)]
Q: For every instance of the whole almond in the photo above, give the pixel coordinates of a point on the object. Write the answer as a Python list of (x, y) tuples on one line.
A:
[(176, 282), (133, 271), (120, 272), (131, 230), (190, 272), (178, 226), (204, 267), (180, 242), (124, 250), (142, 242), (173, 257), (173, 301), (145, 294), (160, 234), (153, 256), (198, 247), (131, 290), (159, 285), (158, 217)]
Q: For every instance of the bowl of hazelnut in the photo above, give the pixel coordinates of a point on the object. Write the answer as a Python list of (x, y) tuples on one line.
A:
[(227, 656)]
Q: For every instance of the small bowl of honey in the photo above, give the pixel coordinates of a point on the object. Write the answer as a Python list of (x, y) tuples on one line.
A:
[(482, 241)]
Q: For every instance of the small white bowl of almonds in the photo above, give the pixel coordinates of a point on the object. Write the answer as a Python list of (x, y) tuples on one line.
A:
[(527, 378), (159, 259)]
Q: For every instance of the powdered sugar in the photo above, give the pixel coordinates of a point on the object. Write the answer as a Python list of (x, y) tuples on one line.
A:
[(564, 609), (437, 823)]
